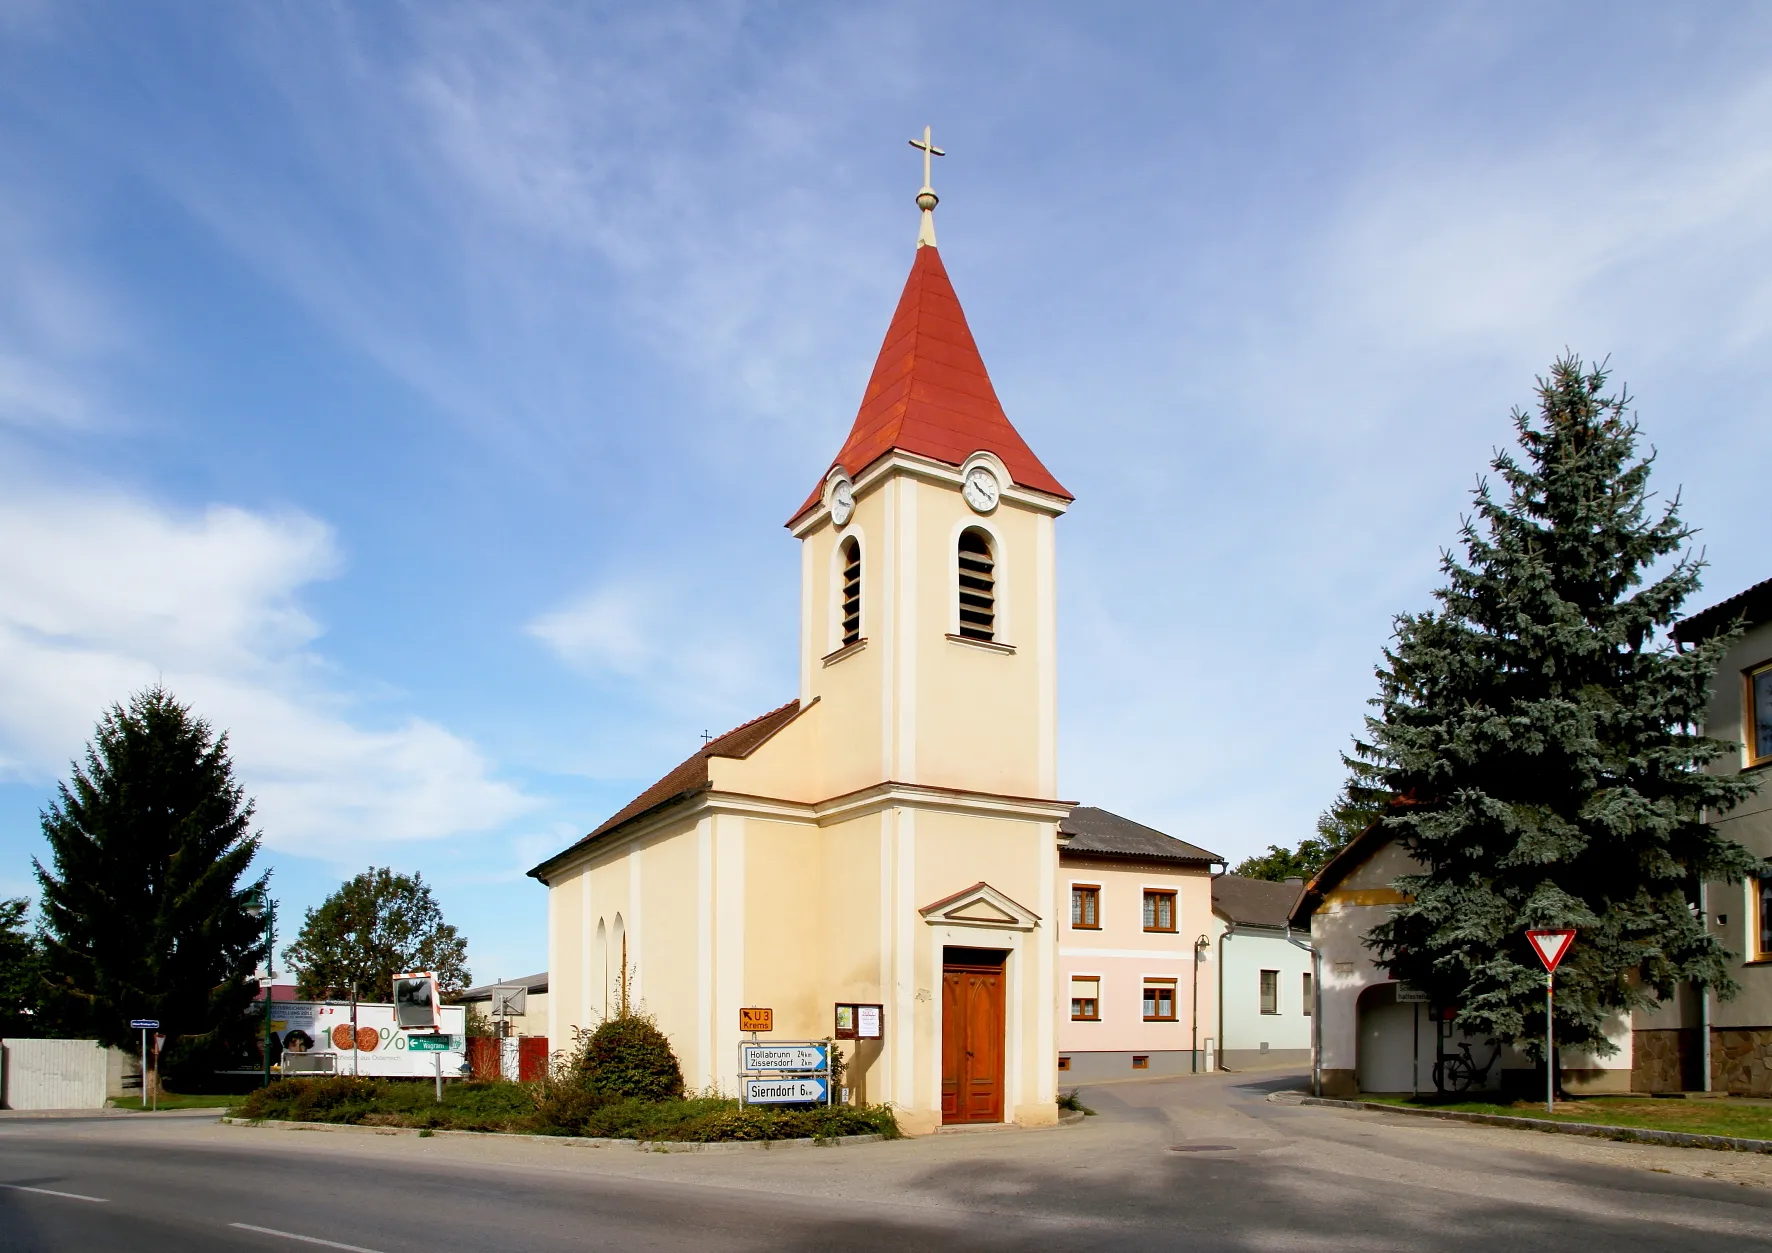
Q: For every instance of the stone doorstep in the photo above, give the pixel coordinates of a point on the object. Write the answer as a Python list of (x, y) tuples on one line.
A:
[(589, 1142), (1638, 1135)]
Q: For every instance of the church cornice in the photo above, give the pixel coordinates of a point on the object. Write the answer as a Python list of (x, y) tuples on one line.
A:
[(694, 806), (928, 470)]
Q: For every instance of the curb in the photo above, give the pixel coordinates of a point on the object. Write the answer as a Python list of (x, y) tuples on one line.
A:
[(1637, 1135), (588, 1142)]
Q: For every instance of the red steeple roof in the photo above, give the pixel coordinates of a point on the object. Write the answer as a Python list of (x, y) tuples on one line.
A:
[(930, 393)]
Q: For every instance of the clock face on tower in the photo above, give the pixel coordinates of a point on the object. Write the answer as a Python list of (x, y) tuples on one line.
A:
[(842, 502), (980, 489)]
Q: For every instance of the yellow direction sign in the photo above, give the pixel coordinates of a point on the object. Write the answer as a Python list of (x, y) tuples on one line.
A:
[(756, 1020)]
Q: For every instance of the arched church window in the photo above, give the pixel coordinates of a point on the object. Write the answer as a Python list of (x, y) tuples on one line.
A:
[(851, 591), (978, 586)]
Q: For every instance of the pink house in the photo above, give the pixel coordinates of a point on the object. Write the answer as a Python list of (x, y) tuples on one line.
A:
[(1137, 987)]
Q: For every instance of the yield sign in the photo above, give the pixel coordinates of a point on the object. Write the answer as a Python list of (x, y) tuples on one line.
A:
[(1551, 946)]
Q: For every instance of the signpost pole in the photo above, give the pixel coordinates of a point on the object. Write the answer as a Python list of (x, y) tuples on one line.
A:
[(144, 1067), (438, 1058), (1550, 1064), (1551, 944)]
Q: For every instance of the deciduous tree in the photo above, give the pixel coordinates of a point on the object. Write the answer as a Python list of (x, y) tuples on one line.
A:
[(372, 928), (21, 971)]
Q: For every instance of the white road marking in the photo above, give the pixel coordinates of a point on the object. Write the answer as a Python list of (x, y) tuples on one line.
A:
[(72, 1196), (290, 1235)]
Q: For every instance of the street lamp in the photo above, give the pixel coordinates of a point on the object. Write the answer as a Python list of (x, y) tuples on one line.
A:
[(260, 905)]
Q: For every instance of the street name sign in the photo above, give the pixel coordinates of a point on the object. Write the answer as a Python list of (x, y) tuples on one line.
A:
[(793, 1056), (144, 1024), (786, 1091), (756, 1019), (1407, 995), (428, 1043), (1551, 946)]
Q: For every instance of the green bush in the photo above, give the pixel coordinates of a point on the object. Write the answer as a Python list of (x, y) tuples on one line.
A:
[(628, 1056), (467, 1106), (552, 1108)]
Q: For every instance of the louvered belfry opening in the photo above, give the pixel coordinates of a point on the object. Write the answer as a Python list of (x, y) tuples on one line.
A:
[(978, 587), (851, 591)]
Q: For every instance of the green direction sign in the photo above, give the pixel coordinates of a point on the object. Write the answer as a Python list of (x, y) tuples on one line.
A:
[(427, 1043)]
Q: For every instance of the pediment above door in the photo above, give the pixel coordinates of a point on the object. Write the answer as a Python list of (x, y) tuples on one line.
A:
[(981, 905)]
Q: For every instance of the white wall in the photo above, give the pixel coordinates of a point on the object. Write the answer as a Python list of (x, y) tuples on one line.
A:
[(52, 1074), (1246, 955)]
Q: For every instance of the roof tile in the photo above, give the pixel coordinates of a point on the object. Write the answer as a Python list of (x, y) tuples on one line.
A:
[(690, 775), (930, 393)]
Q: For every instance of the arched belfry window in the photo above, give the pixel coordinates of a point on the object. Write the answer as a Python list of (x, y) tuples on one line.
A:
[(978, 586), (851, 604)]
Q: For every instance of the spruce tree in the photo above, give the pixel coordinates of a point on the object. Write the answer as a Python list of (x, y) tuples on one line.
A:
[(1538, 733), (144, 913)]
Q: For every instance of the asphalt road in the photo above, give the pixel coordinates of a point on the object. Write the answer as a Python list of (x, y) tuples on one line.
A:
[(1206, 1164)]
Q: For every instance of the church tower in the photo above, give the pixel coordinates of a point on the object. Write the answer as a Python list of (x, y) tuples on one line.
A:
[(928, 604), (877, 858)]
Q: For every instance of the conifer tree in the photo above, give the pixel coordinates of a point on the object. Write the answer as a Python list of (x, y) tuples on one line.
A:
[(144, 912), (1538, 733)]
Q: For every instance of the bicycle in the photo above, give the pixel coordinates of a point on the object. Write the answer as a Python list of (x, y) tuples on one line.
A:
[(1458, 1072)]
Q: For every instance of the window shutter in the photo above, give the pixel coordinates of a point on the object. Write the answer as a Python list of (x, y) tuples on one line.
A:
[(978, 587), (851, 591)]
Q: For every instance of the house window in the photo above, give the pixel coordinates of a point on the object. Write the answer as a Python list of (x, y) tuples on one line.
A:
[(1086, 1000), (851, 591), (1759, 715), (1308, 998), (1159, 911), (1270, 991), (1141, 1061), (1761, 890), (1086, 908), (978, 586), (1159, 1000)]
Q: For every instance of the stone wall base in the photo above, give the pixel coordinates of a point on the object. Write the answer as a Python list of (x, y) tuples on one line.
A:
[(1741, 1060), (1340, 1084), (1669, 1060)]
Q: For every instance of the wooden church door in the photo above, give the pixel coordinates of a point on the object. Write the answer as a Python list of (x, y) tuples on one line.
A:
[(972, 1029)]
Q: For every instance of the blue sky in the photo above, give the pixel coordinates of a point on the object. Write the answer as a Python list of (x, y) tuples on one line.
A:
[(419, 390)]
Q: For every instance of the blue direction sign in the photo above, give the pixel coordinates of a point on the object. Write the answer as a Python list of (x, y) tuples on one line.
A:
[(793, 1056), (144, 1024), (788, 1090)]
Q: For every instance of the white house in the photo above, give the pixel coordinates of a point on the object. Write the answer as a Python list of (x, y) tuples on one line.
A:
[(1265, 994)]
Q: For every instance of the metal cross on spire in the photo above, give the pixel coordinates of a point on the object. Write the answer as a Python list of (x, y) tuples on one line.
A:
[(926, 197)]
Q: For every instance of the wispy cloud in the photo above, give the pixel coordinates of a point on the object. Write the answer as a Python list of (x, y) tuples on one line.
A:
[(102, 594)]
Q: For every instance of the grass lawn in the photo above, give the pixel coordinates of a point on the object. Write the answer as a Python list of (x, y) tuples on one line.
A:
[(179, 1100), (1751, 1120)]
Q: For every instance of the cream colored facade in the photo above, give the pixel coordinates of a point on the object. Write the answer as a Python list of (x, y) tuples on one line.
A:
[(908, 807)]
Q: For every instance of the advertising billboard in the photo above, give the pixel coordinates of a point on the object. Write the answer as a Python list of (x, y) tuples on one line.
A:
[(316, 1038)]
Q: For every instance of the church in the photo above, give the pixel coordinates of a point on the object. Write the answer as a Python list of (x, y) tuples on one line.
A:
[(890, 836)]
